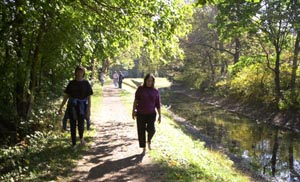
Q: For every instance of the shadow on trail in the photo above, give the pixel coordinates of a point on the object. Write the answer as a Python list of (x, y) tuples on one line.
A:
[(109, 140), (114, 166), (114, 154)]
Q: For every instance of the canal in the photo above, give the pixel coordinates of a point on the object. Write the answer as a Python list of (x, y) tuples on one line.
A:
[(272, 152)]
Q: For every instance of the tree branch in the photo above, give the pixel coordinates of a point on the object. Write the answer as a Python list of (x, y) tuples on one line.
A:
[(267, 55), (209, 46)]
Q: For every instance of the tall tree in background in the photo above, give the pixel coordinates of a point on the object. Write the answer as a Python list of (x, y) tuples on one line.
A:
[(271, 22), (294, 19), (202, 49)]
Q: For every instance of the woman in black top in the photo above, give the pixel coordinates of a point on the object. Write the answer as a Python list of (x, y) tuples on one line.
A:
[(78, 93)]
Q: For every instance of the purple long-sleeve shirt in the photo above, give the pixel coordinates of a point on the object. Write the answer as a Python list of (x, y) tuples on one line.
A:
[(147, 100)]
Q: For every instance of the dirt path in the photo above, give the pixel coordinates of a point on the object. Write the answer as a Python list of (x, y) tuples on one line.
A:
[(114, 154)]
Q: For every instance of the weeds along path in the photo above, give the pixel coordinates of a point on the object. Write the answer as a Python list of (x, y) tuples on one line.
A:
[(115, 154)]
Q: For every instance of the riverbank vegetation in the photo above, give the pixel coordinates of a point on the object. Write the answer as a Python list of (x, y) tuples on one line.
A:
[(246, 50)]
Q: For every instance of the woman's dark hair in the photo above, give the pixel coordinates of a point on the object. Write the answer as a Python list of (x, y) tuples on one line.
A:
[(149, 75), (80, 68)]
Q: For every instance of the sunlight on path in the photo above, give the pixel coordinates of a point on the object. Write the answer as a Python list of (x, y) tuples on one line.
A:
[(114, 154)]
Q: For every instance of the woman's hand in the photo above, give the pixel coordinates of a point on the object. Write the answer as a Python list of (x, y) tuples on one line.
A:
[(159, 119), (66, 97), (59, 111), (88, 113), (133, 115)]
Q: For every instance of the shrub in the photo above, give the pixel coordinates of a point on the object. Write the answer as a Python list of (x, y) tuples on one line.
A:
[(253, 83)]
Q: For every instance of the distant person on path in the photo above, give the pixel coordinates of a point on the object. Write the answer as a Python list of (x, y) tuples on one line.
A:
[(121, 77), (102, 78), (116, 78), (146, 100), (78, 94)]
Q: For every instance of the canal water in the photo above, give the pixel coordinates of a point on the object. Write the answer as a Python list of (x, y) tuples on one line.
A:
[(272, 152)]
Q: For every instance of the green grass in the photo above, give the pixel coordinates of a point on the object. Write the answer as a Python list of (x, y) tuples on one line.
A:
[(46, 155), (184, 158)]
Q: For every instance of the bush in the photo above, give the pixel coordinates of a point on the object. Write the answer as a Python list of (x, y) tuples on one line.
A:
[(243, 63), (196, 78), (291, 100), (254, 83)]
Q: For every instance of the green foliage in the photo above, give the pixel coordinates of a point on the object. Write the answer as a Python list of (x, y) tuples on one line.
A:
[(260, 36), (46, 153), (43, 41), (291, 100), (206, 2), (244, 62), (253, 84), (42, 156), (194, 78), (160, 45), (203, 64)]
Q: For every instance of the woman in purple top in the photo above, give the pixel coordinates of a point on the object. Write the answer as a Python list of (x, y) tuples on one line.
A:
[(146, 100)]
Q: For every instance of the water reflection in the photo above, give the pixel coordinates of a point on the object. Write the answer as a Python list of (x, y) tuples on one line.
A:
[(271, 151)]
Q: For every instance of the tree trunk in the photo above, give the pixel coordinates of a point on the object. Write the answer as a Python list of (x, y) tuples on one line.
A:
[(93, 71), (277, 76), (34, 67), (237, 50), (20, 71), (295, 62), (212, 69), (105, 65)]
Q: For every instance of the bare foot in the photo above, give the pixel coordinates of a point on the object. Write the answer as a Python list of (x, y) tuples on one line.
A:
[(82, 142)]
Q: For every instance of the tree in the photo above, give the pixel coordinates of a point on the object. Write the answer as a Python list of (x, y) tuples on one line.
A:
[(42, 42), (294, 19), (203, 63), (268, 20)]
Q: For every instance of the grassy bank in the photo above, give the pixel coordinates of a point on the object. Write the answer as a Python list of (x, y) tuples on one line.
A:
[(45, 155), (184, 158)]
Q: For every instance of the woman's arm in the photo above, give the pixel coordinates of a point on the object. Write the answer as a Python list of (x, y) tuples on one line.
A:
[(88, 112), (66, 97), (135, 102), (159, 115), (157, 105)]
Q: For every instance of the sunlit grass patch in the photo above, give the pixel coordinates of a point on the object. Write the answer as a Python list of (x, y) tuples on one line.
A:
[(188, 160)]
